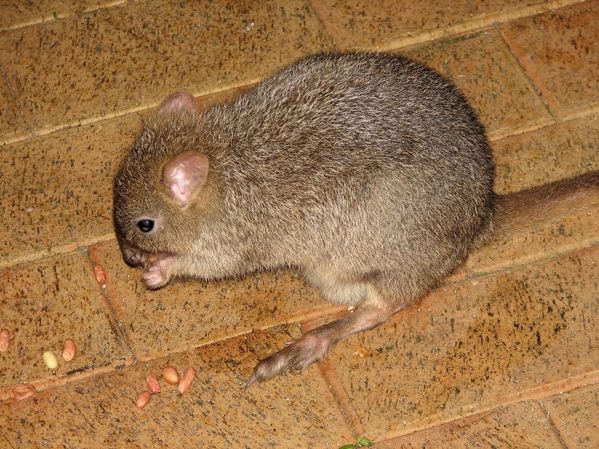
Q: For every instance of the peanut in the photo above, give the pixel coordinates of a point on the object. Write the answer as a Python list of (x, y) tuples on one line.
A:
[(186, 380), (4, 340), (143, 399), (170, 375), (23, 391), (50, 360), (100, 274), (153, 384), (69, 350)]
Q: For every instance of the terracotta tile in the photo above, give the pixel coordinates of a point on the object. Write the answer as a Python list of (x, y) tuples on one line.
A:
[(129, 57), (391, 23), (186, 314), (21, 13), (474, 345), (59, 192), (288, 412), (559, 52), (549, 154), (486, 72), (45, 303), (521, 426), (575, 416)]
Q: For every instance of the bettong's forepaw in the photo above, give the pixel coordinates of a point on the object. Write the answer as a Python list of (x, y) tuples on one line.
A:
[(156, 273)]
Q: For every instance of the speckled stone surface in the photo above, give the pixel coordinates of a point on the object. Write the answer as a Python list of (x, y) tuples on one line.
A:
[(44, 420), (185, 314), (11, 123), (59, 192), (488, 75), (45, 303), (364, 23), (474, 344), (521, 426), (560, 54), (125, 57), (18, 13), (549, 154), (217, 411), (575, 415)]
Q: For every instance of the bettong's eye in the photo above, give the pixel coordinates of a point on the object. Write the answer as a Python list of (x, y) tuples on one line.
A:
[(145, 225)]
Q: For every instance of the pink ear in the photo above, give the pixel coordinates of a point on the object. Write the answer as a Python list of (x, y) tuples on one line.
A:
[(178, 102), (184, 175)]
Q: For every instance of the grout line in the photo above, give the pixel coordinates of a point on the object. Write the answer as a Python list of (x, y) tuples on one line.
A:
[(183, 349), (472, 273), (323, 24), (581, 114), (473, 25), (552, 424), (54, 17), (121, 113), (47, 384), (495, 136), (584, 112), (331, 377), (536, 88), (459, 419), (341, 397), (546, 94), (327, 309), (53, 251), (535, 393), (481, 271)]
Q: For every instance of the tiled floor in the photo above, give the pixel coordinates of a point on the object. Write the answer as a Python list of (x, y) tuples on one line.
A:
[(504, 355)]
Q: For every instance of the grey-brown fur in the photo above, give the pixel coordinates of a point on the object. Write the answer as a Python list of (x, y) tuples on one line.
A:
[(369, 173)]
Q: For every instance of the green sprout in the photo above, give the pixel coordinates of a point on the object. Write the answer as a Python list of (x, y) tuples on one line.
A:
[(362, 442)]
